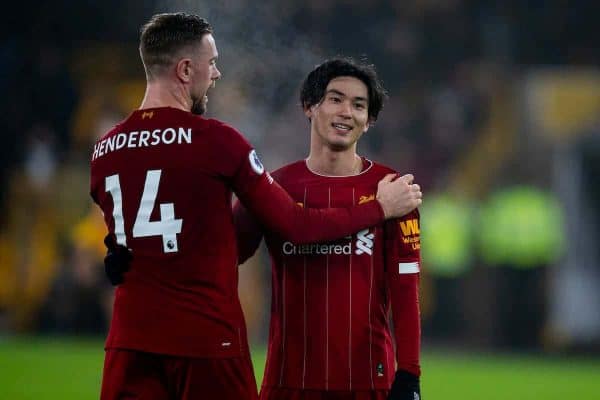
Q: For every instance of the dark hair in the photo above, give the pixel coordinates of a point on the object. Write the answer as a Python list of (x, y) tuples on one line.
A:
[(315, 84), (165, 35)]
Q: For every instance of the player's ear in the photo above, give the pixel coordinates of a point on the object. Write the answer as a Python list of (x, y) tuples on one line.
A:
[(183, 69), (367, 126), (309, 110)]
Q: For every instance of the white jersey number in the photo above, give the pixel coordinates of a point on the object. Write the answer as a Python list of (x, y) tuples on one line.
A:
[(168, 227)]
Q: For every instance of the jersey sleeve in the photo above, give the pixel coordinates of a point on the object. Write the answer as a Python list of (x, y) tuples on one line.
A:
[(403, 263), (248, 232), (279, 213)]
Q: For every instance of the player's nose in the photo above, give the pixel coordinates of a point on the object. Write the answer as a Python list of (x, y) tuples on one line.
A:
[(217, 74), (346, 110)]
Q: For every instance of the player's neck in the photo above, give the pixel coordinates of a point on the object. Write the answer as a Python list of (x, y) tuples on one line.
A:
[(161, 94), (324, 161)]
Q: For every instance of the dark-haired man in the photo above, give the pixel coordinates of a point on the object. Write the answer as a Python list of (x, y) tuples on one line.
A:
[(329, 334), (164, 178)]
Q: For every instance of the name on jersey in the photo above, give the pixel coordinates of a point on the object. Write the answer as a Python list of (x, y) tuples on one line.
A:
[(363, 245), (138, 139)]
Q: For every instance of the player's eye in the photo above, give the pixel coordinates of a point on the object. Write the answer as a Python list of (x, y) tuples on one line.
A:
[(335, 99), (360, 106)]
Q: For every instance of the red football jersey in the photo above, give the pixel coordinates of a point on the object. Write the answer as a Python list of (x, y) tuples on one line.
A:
[(164, 180), (331, 301)]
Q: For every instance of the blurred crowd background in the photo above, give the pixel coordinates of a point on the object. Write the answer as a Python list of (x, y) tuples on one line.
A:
[(494, 107)]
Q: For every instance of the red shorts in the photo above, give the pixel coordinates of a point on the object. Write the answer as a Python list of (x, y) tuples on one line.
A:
[(273, 393), (147, 376)]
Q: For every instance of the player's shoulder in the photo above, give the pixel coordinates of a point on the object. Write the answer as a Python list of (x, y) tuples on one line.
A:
[(375, 171), (290, 172), (117, 128), (381, 169), (218, 124), (112, 131), (224, 132)]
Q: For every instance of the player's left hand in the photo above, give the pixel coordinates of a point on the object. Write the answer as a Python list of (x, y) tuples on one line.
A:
[(406, 386), (398, 196), (117, 260)]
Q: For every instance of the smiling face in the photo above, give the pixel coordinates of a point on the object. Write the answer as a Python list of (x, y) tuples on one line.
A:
[(342, 115)]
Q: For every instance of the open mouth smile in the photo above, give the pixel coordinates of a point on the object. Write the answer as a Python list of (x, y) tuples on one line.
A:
[(342, 127)]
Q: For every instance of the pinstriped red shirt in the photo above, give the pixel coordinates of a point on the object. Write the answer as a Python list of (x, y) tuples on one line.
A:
[(331, 301), (164, 180)]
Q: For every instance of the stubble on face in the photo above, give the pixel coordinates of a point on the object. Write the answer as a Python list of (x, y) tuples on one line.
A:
[(199, 105), (206, 62)]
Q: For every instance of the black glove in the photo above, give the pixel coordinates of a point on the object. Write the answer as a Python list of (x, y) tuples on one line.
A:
[(405, 387), (117, 260)]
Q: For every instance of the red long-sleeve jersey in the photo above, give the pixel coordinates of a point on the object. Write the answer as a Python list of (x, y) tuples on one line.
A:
[(164, 180), (331, 301)]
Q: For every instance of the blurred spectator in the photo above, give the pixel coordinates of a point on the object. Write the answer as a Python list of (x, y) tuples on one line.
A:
[(447, 239), (521, 235), (79, 299), (40, 157)]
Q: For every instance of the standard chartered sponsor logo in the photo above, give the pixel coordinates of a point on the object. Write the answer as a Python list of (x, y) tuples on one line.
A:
[(316, 248), (364, 245), (364, 242)]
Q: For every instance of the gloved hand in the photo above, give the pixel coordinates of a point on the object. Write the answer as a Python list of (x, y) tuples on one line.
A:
[(406, 386), (117, 260)]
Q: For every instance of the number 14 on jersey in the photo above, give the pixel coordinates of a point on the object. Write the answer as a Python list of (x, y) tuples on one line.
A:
[(168, 227)]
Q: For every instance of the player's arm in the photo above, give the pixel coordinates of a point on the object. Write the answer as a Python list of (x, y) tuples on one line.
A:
[(278, 212), (403, 262), (248, 232)]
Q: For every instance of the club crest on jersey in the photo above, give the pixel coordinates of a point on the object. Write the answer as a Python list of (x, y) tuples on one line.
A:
[(255, 162)]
